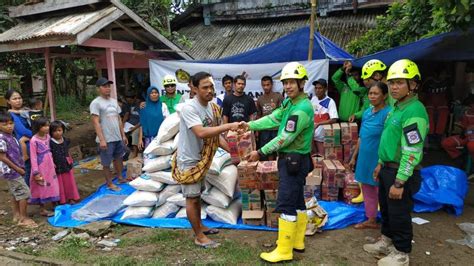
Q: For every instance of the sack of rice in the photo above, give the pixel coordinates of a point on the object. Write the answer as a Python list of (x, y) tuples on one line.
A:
[(160, 149), (157, 164), (221, 159), (141, 199), (137, 212), (166, 210), (162, 177), (144, 183), (215, 197), (229, 215), (177, 199), (168, 129), (182, 212), (226, 181), (170, 190)]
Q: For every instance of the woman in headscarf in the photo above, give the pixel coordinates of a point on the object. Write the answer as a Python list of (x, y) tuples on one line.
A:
[(151, 117)]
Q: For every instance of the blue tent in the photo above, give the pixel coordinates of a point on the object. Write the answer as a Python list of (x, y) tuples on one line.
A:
[(292, 47), (451, 46)]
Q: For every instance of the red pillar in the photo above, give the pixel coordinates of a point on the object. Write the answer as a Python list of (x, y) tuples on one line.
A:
[(109, 54), (49, 83)]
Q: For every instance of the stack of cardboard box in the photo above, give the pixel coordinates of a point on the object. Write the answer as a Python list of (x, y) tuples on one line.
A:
[(313, 184), (329, 189), (270, 196), (267, 172), (332, 142), (247, 173), (351, 188)]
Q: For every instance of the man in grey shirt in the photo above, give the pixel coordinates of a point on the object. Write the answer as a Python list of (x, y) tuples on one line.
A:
[(197, 118), (109, 129)]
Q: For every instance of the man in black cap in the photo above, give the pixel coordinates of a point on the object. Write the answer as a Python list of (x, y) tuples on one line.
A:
[(325, 112), (105, 113)]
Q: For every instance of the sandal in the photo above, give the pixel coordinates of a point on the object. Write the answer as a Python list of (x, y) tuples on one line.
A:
[(212, 231), (210, 245), (47, 213), (113, 188), (124, 180), (366, 225), (30, 224)]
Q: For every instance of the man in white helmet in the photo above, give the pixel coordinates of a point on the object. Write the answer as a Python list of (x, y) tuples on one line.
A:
[(171, 98)]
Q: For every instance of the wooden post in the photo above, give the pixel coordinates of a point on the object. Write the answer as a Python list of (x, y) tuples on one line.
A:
[(311, 30), (49, 83), (109, 54)]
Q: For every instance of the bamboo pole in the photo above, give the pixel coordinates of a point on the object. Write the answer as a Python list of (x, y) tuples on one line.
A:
[(311, 30)]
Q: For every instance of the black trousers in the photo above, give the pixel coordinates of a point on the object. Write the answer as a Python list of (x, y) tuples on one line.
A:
[(396, 214), (291, 186)]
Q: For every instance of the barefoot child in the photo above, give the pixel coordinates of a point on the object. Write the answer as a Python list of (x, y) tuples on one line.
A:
[(43, 180), (12, 169), (59, 148)]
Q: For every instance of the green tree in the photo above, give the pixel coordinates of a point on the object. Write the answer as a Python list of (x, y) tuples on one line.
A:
[(412, 20)]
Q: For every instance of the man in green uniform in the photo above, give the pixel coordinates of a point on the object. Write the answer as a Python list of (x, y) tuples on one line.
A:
[(294, 119), (350, 92), (171, 98), (400, 153)]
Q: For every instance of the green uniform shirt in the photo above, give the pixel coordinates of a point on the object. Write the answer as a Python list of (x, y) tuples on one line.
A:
[(350, 93), (294, 119), (365, 104), (402, 139), (171, 102)]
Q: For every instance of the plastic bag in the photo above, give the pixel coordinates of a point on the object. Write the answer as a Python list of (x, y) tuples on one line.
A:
[(442, 186), (226, 181), (468, 228), (229, 215), (144, 183), (137, 212), (166, 210), (157, 164), (141, 199), (217, 198), (177, 199), (100, 208), (163, 177), (168, 129), (169, 191), (221, 159)]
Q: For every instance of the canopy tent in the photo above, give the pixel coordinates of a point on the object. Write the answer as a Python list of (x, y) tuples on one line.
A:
[(451, 46), (292, 47)]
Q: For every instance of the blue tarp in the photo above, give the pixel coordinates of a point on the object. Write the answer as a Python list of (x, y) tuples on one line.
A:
[(291, 47), (451, 46), (442, 187)]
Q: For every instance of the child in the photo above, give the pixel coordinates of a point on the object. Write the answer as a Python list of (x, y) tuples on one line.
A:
[(43, 180), (12, 169), (63, 161)]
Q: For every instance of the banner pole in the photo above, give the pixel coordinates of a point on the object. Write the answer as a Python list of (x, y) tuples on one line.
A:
[(311, 31)]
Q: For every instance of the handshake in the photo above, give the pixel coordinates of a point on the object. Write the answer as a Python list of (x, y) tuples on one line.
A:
[(240, 127)]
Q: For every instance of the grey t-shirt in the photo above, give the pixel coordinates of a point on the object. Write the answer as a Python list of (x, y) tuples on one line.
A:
[(189, 145), (108, 111)]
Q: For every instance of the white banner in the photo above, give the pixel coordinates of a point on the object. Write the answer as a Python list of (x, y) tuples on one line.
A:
[(317, 69)]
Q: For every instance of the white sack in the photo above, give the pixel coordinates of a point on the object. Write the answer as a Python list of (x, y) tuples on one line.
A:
[(216, 198), (168, 129), (229, 215), (177, 199), (221, 159), (144, 183), (137, 212), (165, 210), (169, 191), (182, 212), (157, 164), (165, 148), (163, 177), (141, 199), (226, 181)]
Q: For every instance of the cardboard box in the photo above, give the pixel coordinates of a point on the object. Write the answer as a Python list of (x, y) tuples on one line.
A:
[(76, 153), (328, 136), (329, 193), (330, 153), (336, 131), (268, 175), (232, 140), (254, 217), (313, 184), (317, 161), (346, 136), (354, 131), (251, 200), (339, 153), (329, 172), (246, 144), (134, 167), (340, 175), (270, 199), (348, 150), (272, 219), (247, 174), (351, 188)]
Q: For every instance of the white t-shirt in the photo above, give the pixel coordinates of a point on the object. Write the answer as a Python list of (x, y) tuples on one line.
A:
[(108, 112), (324, 109)]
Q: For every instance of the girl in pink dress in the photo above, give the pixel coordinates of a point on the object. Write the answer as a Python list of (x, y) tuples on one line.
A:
[(59, 148), (43, 180)]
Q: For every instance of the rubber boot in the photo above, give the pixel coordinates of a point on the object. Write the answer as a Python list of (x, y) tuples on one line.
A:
[(286, 239), (301, 222), (360, 198)]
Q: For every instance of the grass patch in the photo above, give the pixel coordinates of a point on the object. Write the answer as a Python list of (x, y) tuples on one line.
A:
[(28, 250), (165, 237), (69, 108), (72, 249)]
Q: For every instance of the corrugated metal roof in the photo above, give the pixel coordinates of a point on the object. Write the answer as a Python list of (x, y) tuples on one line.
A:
[(225, 39), (55, 26)]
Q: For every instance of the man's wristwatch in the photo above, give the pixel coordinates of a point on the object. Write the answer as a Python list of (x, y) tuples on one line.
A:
[(398, 184)]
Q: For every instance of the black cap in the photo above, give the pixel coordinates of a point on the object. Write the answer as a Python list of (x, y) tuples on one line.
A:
[(103, 81), (323, 82)]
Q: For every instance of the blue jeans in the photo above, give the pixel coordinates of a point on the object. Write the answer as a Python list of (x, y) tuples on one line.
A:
[(291, 187)]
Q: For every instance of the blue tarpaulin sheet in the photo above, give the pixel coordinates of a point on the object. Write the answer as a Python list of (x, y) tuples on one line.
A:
[(442, 186)]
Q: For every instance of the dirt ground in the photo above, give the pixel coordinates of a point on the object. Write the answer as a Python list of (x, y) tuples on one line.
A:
[(339, 247)]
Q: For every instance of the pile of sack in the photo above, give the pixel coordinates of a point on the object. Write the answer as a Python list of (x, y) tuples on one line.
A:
[(158, 195)]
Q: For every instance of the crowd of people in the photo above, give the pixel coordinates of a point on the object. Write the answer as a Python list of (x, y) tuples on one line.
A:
[(35, 162)]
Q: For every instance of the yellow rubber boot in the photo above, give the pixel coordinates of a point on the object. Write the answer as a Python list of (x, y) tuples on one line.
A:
[(360, 198), (286, 239), (301, 222)]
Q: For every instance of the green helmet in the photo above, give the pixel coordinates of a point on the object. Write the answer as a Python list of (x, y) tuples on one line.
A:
[(404, 69), (371, 66), (169, 80), (293, 70)]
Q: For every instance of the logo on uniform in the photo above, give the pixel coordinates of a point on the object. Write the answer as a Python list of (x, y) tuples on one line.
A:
[(291, 123), (412, 134)]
